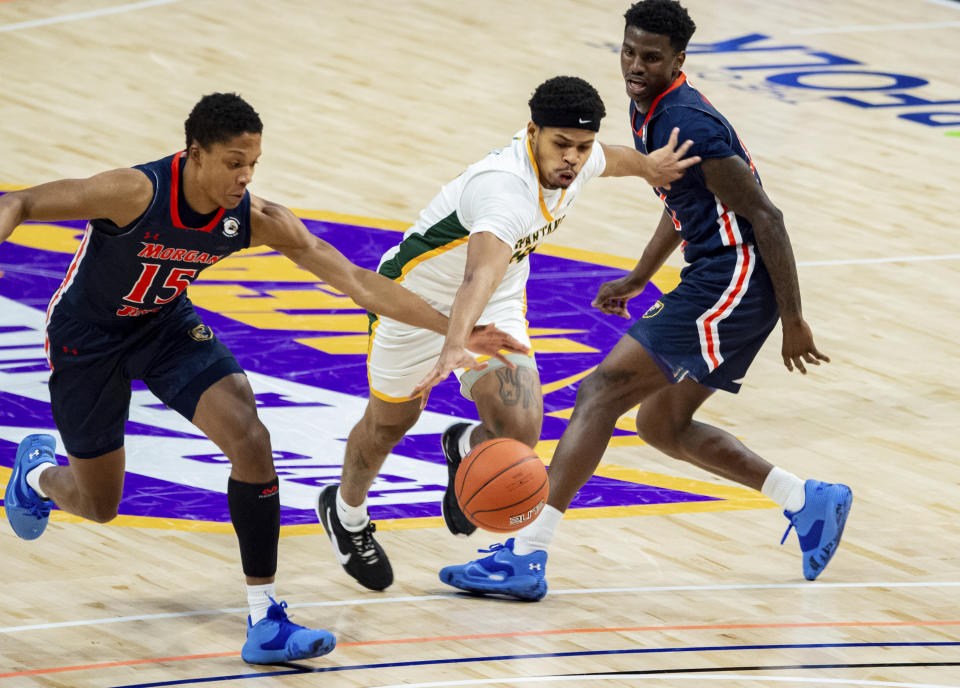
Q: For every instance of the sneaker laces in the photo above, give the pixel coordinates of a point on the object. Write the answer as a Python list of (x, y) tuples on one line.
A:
[(39, 510), (362, 542), (38, 507), (493, 548), (276, 609), (789, 528)]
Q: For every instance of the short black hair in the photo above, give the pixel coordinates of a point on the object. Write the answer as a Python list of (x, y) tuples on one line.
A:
[(665, 17), (566, 101), (219, 117)]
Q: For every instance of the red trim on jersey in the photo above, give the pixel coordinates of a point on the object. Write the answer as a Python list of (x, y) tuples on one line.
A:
[(673, 213), (67, 279), (727, 227), (175, 194), (679, 81), (753, 168), (713, 346)]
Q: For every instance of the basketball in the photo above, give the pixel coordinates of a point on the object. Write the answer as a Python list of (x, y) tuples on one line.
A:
[(501, 485)]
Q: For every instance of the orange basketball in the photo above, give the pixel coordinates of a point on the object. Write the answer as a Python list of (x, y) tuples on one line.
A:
[(501, 485)]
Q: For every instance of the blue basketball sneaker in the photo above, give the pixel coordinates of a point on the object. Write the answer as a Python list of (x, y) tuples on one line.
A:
[(275, 638), (27, 511), (820, 524), (502, 573)]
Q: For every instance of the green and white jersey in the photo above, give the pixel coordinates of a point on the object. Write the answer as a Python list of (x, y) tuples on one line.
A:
[(500, 194)]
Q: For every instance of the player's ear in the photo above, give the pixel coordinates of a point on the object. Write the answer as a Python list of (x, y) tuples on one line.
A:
[(532, 130), (680, 59)]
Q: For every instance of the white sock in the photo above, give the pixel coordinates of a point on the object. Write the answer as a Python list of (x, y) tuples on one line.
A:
[(33, 478), (353, 518), (539, 534), (258, 597), (785, 489), (465, 439)]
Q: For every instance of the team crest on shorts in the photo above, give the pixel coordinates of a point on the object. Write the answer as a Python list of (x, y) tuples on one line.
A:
[(201, 333), (654, 309), (231, 226)]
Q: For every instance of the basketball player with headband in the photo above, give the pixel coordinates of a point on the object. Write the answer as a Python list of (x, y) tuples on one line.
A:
[(467, 255)]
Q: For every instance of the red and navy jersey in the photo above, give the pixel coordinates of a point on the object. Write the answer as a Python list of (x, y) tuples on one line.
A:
[(123, 275), (705, 224)]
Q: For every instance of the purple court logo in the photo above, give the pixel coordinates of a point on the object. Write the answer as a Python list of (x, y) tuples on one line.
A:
[(303, 345)]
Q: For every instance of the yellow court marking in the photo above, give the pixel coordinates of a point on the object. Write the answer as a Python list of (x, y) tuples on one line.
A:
[(359, 220), (47, 237), (730, 498), (355, 344), (276, 267), (626, 422), (665, 280), (564, 382), (545, 331), (261, 310)]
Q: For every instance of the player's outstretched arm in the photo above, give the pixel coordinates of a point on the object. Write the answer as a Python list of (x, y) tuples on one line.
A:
[(487, 260), (659, 168), (275, 226), (118, 195), (612, 297), (733, 182)]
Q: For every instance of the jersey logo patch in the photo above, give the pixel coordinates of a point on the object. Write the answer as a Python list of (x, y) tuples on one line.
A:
[(654, 309), (201, 333), (231, 226)]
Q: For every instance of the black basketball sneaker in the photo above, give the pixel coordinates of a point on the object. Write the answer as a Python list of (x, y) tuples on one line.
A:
[(358, 553), (453, 516)]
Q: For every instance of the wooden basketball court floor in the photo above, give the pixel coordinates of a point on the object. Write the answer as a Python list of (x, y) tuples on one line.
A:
[(368, 109)]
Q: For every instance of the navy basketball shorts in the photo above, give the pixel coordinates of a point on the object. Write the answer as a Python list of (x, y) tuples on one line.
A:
[(174, 353), (713, 324)]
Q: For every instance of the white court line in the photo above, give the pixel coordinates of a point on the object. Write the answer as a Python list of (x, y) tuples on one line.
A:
[(83, 15), (877, 27), (865, 261), (417, 599), (513, 680)]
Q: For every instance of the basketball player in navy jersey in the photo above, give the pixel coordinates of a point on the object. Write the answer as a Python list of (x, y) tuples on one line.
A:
[(739, 280), (122, 313)]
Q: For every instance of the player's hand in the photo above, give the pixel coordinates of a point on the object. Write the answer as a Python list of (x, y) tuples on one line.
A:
[(667, 164), (798, 346), (489, 341), (451, 357), (612, 297)]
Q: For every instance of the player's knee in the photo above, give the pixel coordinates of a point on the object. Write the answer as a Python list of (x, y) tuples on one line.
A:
[(655, 429), (250, 452), (385, 435), (597, 396), (588, 393), (254, 437), (383, 431), (524, 427)]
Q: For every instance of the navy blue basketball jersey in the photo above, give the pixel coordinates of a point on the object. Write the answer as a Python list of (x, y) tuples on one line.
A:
[(121, 274), (705, 224)]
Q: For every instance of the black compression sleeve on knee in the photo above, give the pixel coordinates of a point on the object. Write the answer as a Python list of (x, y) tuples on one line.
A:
[(255, 512)]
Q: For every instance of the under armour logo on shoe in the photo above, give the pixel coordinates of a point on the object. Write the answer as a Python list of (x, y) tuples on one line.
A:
[(535, 566), (35, 453)]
